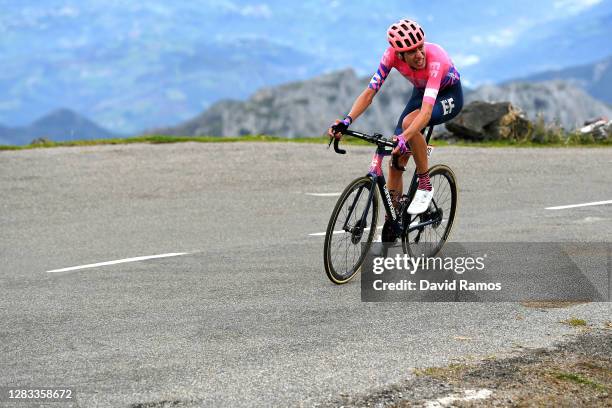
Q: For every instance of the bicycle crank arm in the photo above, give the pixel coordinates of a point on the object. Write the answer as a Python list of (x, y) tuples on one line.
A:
[(414, 227)]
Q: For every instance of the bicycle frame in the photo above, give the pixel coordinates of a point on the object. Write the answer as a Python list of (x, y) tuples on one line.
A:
[(375, 173)]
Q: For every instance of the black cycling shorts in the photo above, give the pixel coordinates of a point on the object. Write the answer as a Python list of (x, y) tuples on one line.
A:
[(449, 103)]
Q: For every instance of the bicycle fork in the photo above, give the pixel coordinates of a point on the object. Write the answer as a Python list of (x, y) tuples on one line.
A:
[(360, 226)]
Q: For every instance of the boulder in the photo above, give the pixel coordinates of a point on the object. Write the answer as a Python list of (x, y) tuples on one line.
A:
[(40, 141), (490, 121)]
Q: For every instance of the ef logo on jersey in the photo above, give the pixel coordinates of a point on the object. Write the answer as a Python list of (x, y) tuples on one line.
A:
[(434, 67), (447, 105)]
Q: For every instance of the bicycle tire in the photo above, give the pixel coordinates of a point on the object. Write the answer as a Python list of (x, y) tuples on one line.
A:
[(337, 272), (446, 198)]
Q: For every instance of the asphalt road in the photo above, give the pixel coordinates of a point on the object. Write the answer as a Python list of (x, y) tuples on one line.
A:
[(247, 316)]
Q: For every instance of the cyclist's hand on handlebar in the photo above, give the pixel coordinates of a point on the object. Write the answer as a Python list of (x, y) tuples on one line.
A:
[(401, 146), (334, 132), (339, 127)]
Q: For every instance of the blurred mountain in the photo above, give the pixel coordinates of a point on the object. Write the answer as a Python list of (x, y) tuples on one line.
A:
[(139, 65), (303, 109), (59, 125), (300, 108), (557, 101), (143, 88), (593, 78)]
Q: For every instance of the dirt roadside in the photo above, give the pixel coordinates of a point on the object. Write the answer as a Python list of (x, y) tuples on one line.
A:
[(577, 373)]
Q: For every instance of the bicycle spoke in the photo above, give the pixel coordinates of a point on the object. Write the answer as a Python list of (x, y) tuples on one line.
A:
[(428, 239)]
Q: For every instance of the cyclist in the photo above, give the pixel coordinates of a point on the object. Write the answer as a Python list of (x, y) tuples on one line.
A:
[(436, 98)]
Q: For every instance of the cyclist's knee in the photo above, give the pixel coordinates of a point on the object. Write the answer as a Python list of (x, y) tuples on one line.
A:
[(402, 161), (409, 118)]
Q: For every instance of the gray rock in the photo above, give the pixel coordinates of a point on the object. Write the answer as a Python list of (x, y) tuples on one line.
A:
[(490, 121)]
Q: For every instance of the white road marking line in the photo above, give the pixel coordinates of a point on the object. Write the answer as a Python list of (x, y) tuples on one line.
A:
[(469, 395), (138, 258), (589, 220), (318, 234), (323, 194), (563, 207)]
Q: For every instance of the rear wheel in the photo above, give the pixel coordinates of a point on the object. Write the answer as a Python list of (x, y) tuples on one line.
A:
[(428, 240), (348, 229)]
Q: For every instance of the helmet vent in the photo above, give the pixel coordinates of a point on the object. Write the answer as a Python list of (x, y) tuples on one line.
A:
[(405, 35)]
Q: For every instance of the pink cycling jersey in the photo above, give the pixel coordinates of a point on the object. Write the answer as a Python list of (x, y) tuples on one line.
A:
[(439, 73)]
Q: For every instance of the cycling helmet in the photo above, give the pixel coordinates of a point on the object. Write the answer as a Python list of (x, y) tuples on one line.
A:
[(405, 35)]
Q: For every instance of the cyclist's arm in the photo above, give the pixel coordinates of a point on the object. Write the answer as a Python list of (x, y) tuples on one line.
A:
[(362, 102)]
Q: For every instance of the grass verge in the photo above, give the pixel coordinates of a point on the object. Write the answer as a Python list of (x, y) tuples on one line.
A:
[(159, 139), (579, 379)]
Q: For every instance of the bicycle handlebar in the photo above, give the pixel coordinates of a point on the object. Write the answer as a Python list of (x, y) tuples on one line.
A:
[(376, 138), (336, 148)]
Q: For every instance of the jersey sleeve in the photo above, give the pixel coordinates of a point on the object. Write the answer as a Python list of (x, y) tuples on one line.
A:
[(436, 70), (386, 63)]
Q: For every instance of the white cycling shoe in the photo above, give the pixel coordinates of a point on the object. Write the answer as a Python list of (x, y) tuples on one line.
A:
[(421, 201)]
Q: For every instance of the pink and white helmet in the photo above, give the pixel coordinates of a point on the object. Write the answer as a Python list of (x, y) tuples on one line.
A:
[(405, 35)]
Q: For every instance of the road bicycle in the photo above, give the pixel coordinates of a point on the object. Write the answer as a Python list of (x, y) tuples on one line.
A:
[(352, 225)]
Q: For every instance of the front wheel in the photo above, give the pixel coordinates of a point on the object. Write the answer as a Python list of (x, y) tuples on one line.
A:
[(352, 223), (428, 240)]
